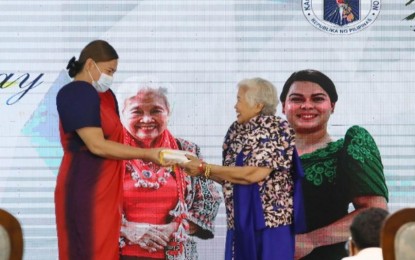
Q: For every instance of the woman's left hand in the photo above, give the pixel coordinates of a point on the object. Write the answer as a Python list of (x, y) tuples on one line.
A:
[(192, 167)]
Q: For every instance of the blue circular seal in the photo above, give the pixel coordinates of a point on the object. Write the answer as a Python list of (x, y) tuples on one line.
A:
[(341, 16)]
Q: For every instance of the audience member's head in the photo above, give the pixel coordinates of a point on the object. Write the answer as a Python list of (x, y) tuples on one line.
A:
[(365, 229)]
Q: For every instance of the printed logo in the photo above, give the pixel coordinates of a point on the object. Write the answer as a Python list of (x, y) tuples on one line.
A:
[(341, 16), (24, 83)]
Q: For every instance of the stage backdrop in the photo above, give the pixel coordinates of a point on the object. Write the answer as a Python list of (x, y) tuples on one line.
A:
[(201, 49)]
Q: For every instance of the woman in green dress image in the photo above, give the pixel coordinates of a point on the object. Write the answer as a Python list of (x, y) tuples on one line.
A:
[(337, 172)]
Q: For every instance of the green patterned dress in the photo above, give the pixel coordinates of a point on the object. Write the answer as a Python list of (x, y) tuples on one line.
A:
[(347, 168)]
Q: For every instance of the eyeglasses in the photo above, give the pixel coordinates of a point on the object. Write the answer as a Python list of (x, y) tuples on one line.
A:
[(347, 244)]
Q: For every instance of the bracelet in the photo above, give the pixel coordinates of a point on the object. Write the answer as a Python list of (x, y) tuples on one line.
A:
[(202, 167), (207, 171)]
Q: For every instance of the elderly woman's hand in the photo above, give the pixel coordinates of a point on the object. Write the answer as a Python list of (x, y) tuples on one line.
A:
[(194, 167), (157, 237), (147, 236)]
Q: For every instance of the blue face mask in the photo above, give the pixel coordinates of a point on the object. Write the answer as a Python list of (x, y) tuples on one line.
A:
[(104, 82)]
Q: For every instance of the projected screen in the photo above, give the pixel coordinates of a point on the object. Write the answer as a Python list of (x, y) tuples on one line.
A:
[(201, 49)]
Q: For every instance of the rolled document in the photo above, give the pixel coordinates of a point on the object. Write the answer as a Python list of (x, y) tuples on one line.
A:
[(176, 156)]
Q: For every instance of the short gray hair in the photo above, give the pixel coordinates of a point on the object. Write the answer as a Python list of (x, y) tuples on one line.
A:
[(261, 91), (131, 86)]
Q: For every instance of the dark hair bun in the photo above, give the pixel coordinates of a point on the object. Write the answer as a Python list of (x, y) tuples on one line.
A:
[(73, 67)]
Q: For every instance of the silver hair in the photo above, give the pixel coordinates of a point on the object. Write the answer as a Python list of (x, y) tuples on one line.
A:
[(260, 91), (132, 86)]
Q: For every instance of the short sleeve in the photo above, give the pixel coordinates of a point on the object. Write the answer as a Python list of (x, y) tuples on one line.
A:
[(78, 106), (363, 164)]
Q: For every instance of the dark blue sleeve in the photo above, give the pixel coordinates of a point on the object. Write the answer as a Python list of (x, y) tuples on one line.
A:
[(78, 106)]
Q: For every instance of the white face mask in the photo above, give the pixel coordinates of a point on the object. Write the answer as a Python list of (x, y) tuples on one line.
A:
[(104, 82)]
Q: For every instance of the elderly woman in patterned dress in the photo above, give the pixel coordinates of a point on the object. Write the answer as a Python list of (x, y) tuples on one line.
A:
[(163, 207), (259, 160)]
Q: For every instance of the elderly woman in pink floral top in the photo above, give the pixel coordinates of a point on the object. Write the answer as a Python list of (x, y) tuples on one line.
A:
[(259, 162)]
